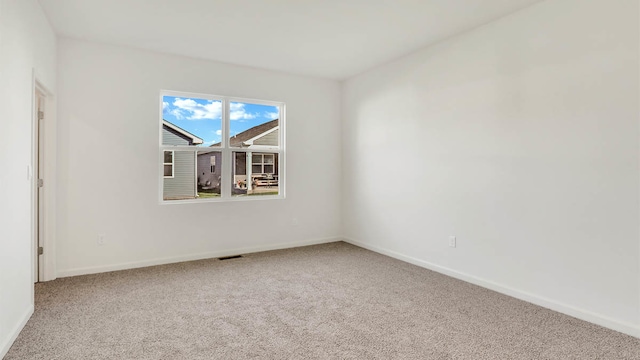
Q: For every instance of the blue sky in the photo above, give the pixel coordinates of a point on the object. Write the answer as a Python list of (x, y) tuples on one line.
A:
[(203, 118)]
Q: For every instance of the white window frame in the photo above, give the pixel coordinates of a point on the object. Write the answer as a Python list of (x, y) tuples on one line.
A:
[(226, 168), (172, 163), (262, 164)]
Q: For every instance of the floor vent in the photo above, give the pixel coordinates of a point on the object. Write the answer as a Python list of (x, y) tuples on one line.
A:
[(230, 257)]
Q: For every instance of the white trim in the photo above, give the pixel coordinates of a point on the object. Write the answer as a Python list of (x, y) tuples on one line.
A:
[(195, 174), (226, 182), (638, 280), (13, 334), (282, 176), (33, 178), (225, 150), (192, 257), (255, 102), (48, 230), (259, 148), (172, 163), (228, 199), (196, 140), (602, 320)]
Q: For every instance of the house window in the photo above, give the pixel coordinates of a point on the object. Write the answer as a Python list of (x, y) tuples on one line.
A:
[(201, 134), (168, 164), (263, 163)]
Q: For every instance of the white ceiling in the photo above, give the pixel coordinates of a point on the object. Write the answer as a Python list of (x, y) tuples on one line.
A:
[(326, 38)]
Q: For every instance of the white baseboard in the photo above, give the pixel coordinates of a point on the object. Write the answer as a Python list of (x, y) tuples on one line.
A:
[(623, 327), (191, 257), (5, 345)]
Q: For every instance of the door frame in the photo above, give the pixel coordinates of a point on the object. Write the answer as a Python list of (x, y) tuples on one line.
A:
[(43, 203)]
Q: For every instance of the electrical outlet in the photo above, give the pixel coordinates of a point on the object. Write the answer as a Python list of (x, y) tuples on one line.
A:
[(101, 239), (452, 241)]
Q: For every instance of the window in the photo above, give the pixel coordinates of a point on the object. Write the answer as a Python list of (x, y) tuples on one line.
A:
[(263, 163), (168, 164), (218, 148)]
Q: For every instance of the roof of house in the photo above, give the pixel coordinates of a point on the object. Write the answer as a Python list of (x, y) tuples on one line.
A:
[(239, 139), (194, 139)]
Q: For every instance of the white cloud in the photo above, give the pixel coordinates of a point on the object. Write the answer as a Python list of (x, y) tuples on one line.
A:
[(236, 106), (218, 132), (271, 115), (238, 112), (241, 115), (177, 113), (191, 110)]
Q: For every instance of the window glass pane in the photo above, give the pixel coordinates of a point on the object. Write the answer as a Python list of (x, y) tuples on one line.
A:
[(191, 121), (239, 186), (240, 163), (168, 170), (168, 157), (193, 176), (260, 183), (208, 179), (268, 159), (253, 125), (182, 185)]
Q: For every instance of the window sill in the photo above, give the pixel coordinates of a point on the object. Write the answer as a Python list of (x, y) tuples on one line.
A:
[(239, 198)]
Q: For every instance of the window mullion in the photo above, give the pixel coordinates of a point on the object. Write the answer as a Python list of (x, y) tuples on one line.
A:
[(225, 171)]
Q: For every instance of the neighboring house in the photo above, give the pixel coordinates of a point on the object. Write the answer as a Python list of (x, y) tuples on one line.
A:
[(179, 166), (209, 167), (264, 134), (263, 170)]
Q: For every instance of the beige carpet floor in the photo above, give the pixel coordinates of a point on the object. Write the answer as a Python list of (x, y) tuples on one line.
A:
[(332, 301)]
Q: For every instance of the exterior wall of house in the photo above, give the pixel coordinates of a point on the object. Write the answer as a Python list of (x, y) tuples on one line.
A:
[(270, 139), (241, 168), (182, 184), (170, 137), (207, 178)]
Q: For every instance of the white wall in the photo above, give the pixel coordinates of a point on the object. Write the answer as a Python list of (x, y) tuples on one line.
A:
[(108, 170), (521, 139), (26, 43)]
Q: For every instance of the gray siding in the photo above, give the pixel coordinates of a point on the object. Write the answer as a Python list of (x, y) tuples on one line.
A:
[(204, 170), (169, 137), (270, 139), (182, 185)]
